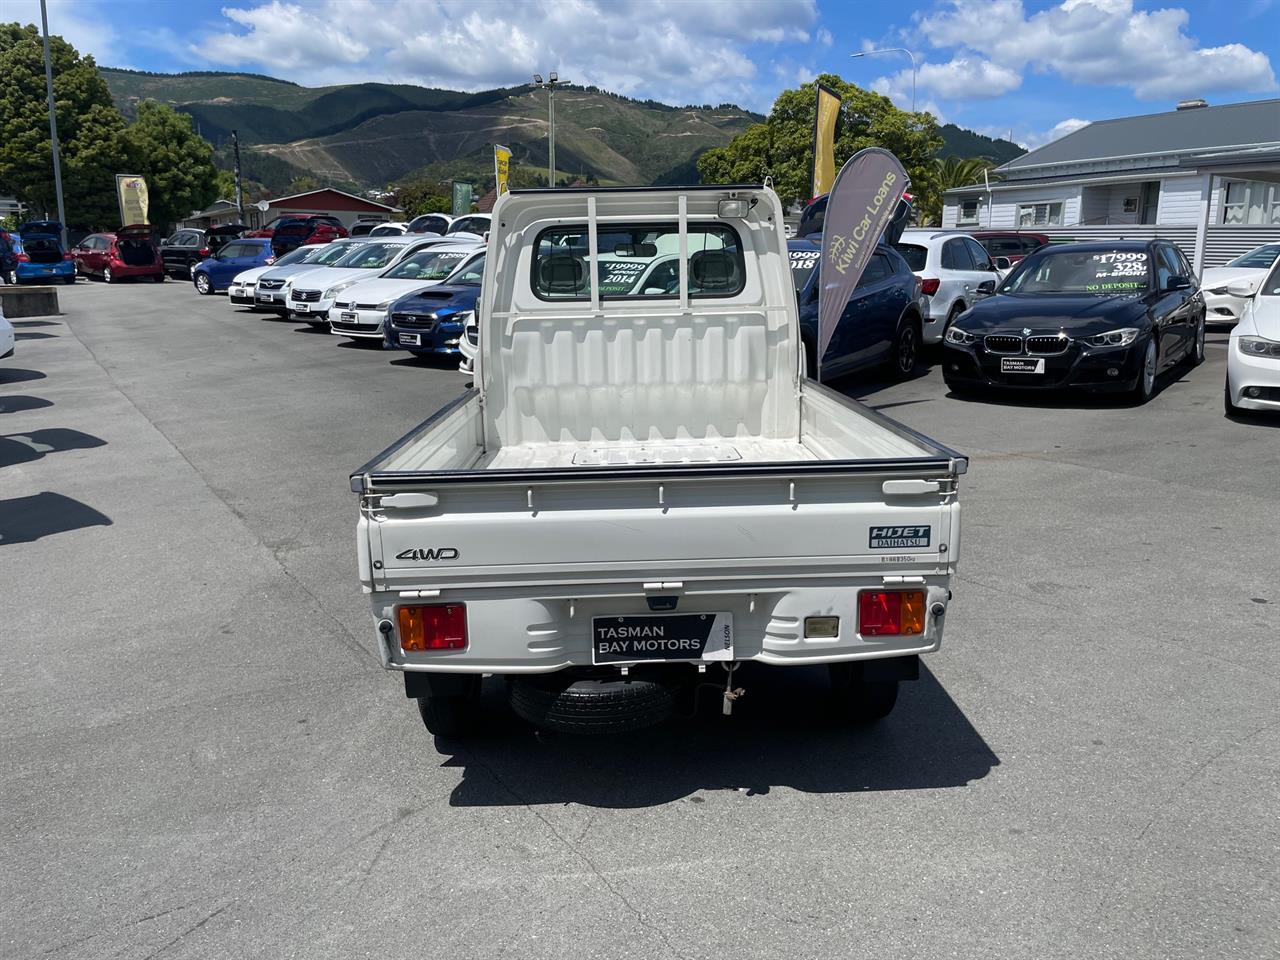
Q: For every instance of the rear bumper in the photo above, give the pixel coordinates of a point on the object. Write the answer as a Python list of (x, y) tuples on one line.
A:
[(124, 271), (42, 271), (545, 634)]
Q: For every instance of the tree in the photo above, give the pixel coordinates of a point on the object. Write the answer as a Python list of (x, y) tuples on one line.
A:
[(304, 184), (176, 161), (954, 172), (90, 129), (782, 146)]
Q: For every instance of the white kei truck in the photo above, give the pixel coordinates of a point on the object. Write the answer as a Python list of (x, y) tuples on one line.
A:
[(642, 490)]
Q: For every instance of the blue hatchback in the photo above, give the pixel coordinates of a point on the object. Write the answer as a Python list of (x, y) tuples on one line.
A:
[(881, 324), (431, 321), (216, 273), (39, 255)]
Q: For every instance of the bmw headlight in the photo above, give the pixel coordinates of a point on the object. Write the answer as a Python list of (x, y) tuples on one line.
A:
[(961, 337), (1259, 347), (1113, 338)]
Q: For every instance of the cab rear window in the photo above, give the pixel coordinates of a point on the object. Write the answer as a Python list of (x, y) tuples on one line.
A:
[(640, 261)]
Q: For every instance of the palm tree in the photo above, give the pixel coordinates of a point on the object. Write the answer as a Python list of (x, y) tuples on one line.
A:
[(951, 172)]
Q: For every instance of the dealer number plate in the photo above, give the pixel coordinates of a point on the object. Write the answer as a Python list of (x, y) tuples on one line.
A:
[(264, 298), (411, 339), (348, 317), (1021, 365), (666, 636), (301, 308)]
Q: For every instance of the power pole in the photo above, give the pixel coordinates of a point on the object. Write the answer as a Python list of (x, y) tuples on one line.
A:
[(235, 146), (550, 86), (53, 123)]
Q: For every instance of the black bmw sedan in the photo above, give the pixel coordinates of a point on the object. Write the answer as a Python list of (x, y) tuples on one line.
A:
[(1094, 316)]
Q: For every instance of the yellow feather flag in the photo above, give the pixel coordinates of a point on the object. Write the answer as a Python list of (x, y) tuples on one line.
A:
[(824, 140)]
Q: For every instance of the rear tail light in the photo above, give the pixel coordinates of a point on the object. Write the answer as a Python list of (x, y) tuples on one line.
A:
[(23, 258), (435, 626), (203, 252), (890, 613), (929, 285), (68, 256)]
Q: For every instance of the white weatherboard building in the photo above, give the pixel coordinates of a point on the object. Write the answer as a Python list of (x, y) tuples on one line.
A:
[(1207, 178)]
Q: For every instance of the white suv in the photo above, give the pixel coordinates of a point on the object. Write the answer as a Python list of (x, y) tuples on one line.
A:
[(953, 268)]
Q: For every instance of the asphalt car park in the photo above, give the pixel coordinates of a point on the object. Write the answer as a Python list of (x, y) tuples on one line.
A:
[(202, 756)]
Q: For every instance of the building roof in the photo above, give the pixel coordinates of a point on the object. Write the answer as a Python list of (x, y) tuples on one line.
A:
[(316, 198), (1202, 129), (215, 208)]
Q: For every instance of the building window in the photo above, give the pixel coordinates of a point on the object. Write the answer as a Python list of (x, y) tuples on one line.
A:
[(968, 212), (1250, 201), (1040, 214)]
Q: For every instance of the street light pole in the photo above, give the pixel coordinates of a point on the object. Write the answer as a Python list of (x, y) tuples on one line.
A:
[(53, 123), (866, 53), (550, 86)]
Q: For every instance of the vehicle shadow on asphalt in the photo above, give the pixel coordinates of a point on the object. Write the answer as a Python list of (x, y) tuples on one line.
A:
[(18, 404), (1069, 399), (35, 444), (18, 375), (35, 323), (428, 362), (26, 519), (782, 734), (24, 335)]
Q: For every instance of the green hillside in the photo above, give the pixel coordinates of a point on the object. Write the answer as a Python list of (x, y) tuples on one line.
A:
[(373, 134), (959, 142)]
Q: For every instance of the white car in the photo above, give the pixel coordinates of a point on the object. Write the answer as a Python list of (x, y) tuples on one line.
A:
[(1221, 306), (6, 336), (389, 229), (244, 286), (473, 225), (954, 272), (311, 294), (437, 223), (1253, 355), (271, 288), (361, 310)]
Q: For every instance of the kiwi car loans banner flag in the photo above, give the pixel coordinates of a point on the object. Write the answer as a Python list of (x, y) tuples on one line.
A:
[(863, 201), (824, 140), (501, 168), (131, 191)]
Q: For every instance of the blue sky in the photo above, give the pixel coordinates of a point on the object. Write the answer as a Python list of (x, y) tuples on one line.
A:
[(1038, 68)]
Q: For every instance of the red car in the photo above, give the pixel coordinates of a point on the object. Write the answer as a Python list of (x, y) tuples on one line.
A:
[(1009, 243), (128, 253), (287, 233)]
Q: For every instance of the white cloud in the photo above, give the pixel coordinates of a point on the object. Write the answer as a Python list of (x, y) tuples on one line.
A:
[(666, 49), (964, 78), (1056, 132), (824, 37), (87, 27), (1103, 42)]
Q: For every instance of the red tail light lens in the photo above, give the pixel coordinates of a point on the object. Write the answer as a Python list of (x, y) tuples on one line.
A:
[(890, 613), (23, 258), (68, 256), (435, 626), (203, 252), (929, 285)]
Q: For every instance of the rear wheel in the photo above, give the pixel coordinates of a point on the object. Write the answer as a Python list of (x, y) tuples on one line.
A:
[(906, 349), (860, 700), (106, 275), (1196, 356), (158, 278), (957, 308), (452, 714), (13, 277), (204, 286)]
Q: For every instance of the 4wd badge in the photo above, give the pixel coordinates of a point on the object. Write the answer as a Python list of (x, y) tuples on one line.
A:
[(898, 538)]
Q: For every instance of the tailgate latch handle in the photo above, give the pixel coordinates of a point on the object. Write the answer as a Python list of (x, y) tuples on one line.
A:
[(407, 501), (910, 488)]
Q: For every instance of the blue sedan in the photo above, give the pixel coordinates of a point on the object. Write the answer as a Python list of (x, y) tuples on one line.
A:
[(881, 324), (431, 321), (216, 273)]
